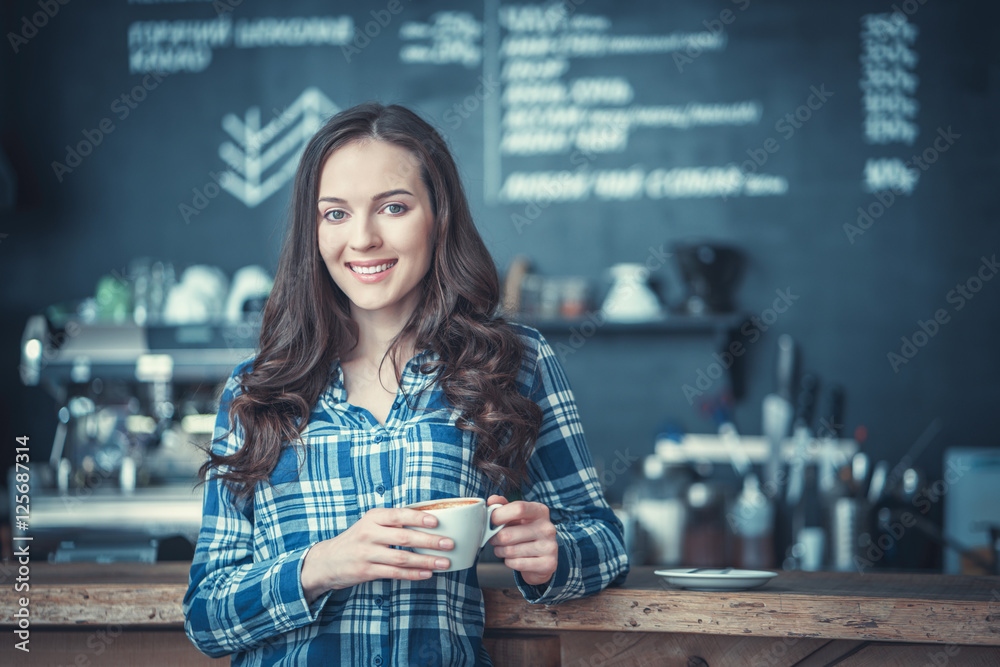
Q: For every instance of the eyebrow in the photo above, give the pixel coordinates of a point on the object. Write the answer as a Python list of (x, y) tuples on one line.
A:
[(381, 195)]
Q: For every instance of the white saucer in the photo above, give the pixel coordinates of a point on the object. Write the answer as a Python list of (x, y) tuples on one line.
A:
[(712, 579)]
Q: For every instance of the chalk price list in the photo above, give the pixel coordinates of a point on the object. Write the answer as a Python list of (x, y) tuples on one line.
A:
[(22, 509)]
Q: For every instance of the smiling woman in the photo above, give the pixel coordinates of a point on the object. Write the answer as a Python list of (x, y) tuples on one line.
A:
[(384, 378), (375, 228)]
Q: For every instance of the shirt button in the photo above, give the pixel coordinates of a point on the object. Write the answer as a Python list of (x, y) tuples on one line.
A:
[(377, 660), (378, 437), (395, 404), (379, 601), (381, 491)]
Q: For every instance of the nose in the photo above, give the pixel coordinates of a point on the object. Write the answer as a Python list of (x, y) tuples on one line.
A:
[(365, 235)]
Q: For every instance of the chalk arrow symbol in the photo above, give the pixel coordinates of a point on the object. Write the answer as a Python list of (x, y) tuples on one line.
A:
[(248, 159)]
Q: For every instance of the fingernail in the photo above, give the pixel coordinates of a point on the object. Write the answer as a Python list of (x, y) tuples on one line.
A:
[(430, 521), (445, 543), (441, 563)]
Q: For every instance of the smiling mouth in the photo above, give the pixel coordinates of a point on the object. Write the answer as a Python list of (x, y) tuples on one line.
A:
[(370, 270)]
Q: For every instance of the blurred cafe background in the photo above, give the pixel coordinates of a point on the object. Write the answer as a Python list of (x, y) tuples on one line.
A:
[(761, 236)]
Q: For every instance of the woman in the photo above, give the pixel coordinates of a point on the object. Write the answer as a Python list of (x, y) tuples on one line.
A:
[(383, 378)]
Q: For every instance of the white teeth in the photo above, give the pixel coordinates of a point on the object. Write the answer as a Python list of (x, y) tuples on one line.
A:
[(367, 270)]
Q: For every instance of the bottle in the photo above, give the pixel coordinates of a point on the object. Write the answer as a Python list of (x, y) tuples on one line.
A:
[(752, 522), (810, 541), (657, 504)]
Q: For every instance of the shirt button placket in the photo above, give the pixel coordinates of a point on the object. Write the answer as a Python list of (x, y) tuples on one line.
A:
[(381, 590), (376, 472)]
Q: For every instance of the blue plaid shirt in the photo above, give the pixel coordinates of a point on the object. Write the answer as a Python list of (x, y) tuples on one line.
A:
[(245, 595)]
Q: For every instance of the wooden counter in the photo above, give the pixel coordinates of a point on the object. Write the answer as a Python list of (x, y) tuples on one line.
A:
[(117, 614)]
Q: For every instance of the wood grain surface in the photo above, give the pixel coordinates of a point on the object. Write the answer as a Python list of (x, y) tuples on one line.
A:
[(925, 608)]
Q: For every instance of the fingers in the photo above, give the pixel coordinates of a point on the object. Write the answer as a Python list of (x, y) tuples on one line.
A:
[(520, 511), (405, 537), (344, 561), (383, 528), (533, 567), (397, 558), (536, 570), (400, 516), (496, 500), (382, 537), (525, 541), (372, 571), (538, 578)]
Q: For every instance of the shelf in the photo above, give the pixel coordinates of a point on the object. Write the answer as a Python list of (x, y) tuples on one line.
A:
[(681, 325), (209, 352), (712, 448), (182, 353)]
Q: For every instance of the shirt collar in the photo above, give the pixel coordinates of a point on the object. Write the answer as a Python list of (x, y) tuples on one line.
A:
[(413, 379)]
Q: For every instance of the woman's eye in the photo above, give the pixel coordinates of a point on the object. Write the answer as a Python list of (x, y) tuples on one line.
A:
[(394, 209), (335, 214)]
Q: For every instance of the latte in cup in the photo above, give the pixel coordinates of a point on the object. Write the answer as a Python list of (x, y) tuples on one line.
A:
[(444, 504), (466, 521)]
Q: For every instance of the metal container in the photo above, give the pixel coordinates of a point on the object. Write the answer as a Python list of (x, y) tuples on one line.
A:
[(848, 520)]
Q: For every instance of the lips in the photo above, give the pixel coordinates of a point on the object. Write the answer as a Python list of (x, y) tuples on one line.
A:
[(372, 271), (368, 269)]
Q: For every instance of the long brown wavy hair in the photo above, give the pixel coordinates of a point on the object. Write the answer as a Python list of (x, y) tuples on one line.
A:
[(306, 324)]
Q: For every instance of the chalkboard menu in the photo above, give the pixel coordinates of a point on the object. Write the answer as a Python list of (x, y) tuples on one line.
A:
[(848, 149)]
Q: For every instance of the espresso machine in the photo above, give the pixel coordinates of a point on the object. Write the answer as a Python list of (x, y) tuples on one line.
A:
[(137, 409)]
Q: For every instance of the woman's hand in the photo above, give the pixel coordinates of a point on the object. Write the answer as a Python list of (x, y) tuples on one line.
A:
[(527, 543), (363, 552)]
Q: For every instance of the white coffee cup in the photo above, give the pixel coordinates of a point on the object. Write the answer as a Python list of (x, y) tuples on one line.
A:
[(466, 521)]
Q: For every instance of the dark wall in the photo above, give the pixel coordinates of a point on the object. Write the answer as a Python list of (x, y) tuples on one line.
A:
[(854, 300)]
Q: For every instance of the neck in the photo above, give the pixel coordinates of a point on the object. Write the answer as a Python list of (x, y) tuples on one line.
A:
[(376, 331)]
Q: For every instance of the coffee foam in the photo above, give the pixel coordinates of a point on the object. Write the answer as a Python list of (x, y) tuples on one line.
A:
[(444, 504)]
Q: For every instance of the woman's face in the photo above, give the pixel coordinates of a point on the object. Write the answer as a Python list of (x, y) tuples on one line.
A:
[(374, 227)]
